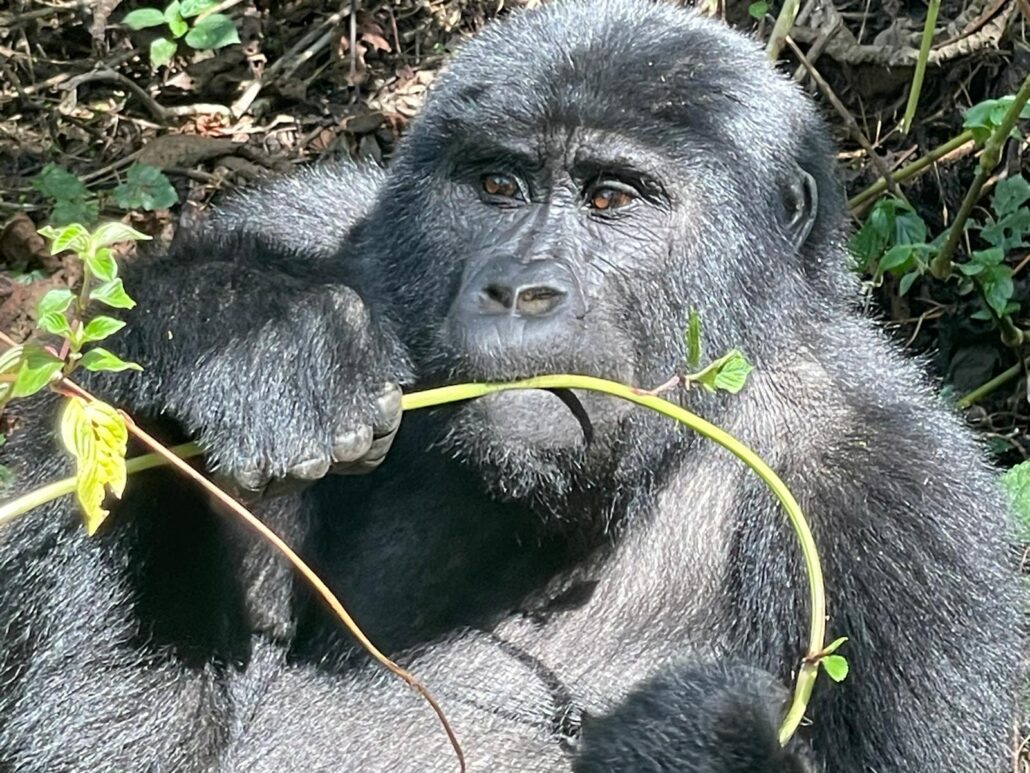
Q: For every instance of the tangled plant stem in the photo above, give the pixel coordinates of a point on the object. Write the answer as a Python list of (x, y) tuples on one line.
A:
[(809, 668)]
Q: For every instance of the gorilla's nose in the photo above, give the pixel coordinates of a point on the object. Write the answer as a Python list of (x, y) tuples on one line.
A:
[(540, 288), (532, 301)]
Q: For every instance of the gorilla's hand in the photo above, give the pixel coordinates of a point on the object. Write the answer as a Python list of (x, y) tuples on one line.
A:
[(713, 719), (280, 376), (318, 392)]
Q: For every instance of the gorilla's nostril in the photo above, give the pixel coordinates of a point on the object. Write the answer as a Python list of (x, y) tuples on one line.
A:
[(535, 301), (496, 298)]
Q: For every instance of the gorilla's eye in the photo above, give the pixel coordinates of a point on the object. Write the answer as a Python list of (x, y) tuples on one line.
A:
[(607, 196), (501, 185)]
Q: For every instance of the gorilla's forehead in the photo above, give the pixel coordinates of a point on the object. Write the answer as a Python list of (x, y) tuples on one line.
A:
[(623, 68), (581, 150)]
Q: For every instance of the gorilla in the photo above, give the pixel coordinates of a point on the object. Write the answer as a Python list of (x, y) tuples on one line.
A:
[(582, 177)]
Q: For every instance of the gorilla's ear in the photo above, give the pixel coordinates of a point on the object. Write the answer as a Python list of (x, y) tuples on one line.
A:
[(801, 204)]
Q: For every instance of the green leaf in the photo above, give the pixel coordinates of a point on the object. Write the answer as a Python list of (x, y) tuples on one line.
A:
[(909, 227), (1016, 483), (987, 258), (835, 666), (834, 645), (997, 287), (56, 323), (983, 315), (176, 24), (984, 118), (214, 31), (10, 362), (869, 242), (896, 258), (143, 18), (75, 211), (112, 233), (692, 339), (54, 301), (1009, 232), (161, 52), (1010, 194), (10, 359), (101, 327), (190, 8), (113, 294), (970, 269), (758, 10), (99, 358), (57, 183), (906, 282), (37, 369), (145, 187), (892, 225), (732, 375), (70, 237), (96, 435), (101, 264)]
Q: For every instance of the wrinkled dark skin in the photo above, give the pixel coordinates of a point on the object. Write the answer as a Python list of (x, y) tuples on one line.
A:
[(581, 177)]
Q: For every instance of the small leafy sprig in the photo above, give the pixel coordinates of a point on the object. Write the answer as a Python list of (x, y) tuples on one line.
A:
[(207, 31), (836, 666), (93, 431), (144, 187), (727, 374)]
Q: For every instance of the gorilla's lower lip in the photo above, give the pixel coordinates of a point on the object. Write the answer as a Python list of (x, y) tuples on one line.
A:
[(530, 407)]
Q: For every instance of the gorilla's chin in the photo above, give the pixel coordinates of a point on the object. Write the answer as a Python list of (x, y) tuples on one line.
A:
[(533, 418), (529, 445)]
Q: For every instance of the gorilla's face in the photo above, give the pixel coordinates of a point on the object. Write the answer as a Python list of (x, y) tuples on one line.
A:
[(557, 240), (570, 211)]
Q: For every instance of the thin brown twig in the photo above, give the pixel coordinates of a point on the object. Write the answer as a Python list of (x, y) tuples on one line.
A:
[(115, 60), (853, 128), (68, 387), (107, 75), (11, 20), (815, 51), (300, 49)]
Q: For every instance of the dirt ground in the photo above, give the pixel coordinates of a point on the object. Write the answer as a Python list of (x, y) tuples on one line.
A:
[(312, 78)]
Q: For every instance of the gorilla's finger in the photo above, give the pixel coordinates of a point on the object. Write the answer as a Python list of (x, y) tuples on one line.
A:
[(310, 469), (379, 447), (353, 444), (387, 411), (249, 490), (253, 479)]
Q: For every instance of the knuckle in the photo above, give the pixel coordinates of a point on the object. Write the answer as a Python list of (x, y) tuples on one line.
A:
[(310, 469), (352, 444)]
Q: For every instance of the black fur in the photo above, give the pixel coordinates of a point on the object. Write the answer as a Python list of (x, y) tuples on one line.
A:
[(539, 584)]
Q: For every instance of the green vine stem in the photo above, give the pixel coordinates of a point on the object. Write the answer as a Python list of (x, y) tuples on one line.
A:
[(860, 199), (781, 28), (940, 266), (40, 496), (920, 72), (975, 395), (809, 668)]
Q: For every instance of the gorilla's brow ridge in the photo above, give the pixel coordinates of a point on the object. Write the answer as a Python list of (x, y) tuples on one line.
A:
[(479, 155)]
